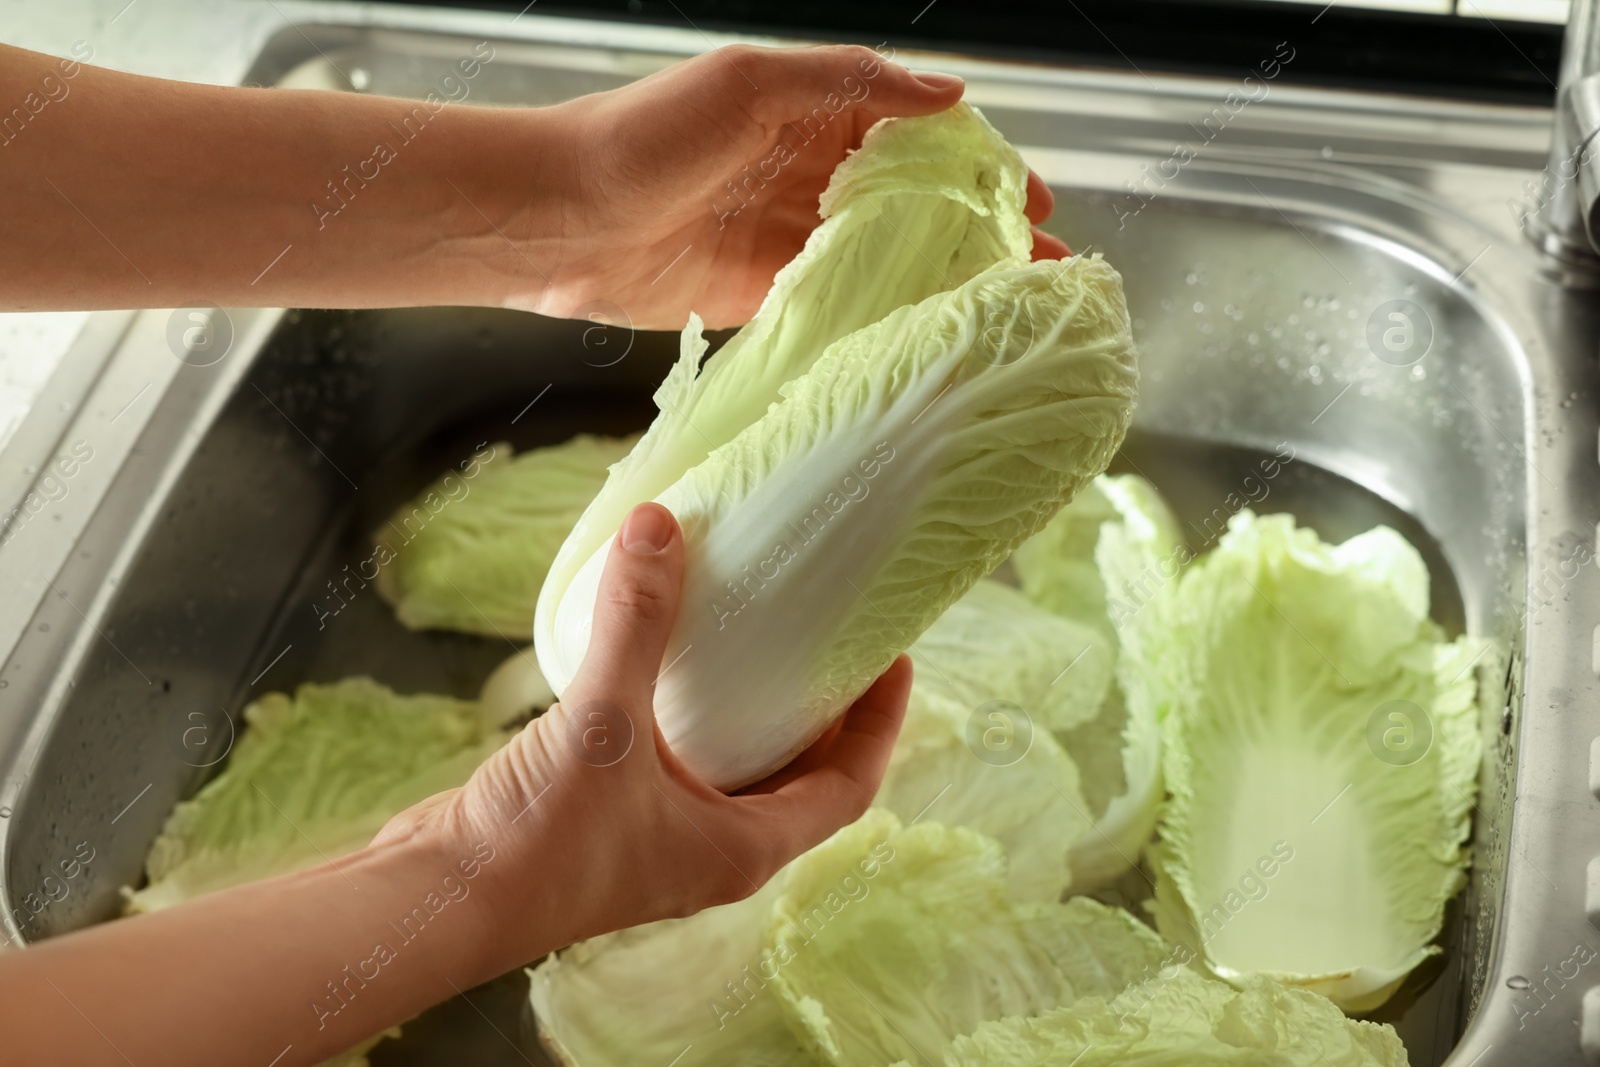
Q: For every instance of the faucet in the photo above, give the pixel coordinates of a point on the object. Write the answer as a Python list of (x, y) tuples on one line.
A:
[(1566, 225)]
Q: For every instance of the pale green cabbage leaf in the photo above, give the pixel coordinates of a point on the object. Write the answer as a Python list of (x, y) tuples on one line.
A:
[(691, 992), (1311, 835), (1056, 567), (1026, 796), (471, 551), (825, 532), (995, 644), (897, 940), (1181, 1019), (994, 676), (311, 778), (1102, 557)]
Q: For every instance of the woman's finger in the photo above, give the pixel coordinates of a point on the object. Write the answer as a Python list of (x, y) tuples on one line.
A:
[(786, 85), (1048, 246), (634, 611), (809, 760), (1041, 201)]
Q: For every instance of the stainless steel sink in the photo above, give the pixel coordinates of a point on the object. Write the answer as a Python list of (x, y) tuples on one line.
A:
[(1265, 278)]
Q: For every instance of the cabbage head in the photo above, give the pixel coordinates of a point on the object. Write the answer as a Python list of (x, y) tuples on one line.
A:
[(912, 401)]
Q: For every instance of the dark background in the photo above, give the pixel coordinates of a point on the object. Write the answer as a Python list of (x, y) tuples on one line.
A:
[(1440, 55)]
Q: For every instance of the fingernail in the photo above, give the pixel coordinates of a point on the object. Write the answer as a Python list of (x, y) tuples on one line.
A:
[(647, 530), (935, 80)]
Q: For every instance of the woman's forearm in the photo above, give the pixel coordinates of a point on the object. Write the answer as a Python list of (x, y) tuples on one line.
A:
[(300, 967), (127, 191)]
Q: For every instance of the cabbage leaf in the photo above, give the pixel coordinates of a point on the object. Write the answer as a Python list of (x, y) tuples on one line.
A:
[(1104, 554), (1029, 801), (691, 992), (1321, 751), (1180, 1019), (1102, 557), (896, 940), (994, 676), (994, 644), (515, 690), (312, 777), (471, 551)]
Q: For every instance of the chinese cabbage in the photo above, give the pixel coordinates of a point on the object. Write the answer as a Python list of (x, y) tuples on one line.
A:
[(904, 409), (921, 207), (904, 466)]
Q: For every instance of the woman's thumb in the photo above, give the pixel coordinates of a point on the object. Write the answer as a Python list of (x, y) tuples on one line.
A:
[(635, 609)]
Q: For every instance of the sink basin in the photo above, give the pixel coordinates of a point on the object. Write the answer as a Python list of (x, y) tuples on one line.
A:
[(1333, 280)]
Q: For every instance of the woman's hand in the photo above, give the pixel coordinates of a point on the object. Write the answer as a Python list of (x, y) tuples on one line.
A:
[(612, 206), (594, 823), (690, 188)]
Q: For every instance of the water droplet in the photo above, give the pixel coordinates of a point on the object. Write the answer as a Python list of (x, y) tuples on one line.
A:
[(1327, 151), (44, 627), (1418, 373), (5, 812), (1191, 278), (1516, 981), (1199, 308)]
